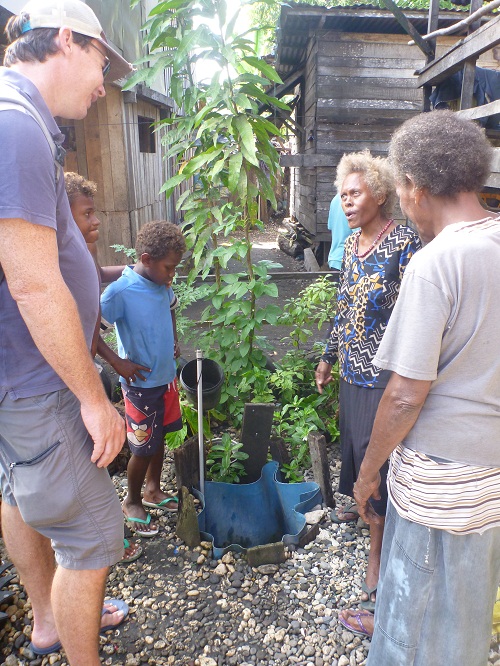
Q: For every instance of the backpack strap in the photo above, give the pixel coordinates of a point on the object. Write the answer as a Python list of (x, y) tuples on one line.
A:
[(11, 98)]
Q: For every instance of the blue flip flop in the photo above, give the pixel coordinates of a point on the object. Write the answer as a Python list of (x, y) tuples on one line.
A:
[(56, 647), (42, 652), (120, 606)]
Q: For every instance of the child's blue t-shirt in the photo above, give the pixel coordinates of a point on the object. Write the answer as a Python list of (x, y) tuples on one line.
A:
[(140, 309)]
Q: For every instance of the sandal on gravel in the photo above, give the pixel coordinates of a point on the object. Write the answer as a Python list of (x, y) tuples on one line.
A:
[(5, 566), (164, 504), (5, 580), (43, 652), (368, 604), (135, 554), (56, 647), (5, 595), (120, 606), (134, 525), (351, 509), (359, 629)]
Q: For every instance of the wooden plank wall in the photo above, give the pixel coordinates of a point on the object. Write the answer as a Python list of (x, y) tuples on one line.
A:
[(365, 88), (305, 181), (145, 172), (128, 181), (100, 156)]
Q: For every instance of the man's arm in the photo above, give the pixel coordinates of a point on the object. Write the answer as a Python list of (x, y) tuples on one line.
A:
[(396, 415), (29, 257)]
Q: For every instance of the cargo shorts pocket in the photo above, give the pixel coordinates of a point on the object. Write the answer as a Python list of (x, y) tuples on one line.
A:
[(43, 487)]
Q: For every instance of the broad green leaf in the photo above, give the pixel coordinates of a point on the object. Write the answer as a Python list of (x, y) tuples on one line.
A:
[(172, 183), (247, 138), (268, 71), (235, 162)]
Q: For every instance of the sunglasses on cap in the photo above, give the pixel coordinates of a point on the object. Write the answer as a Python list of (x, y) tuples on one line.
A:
[(107, 63)]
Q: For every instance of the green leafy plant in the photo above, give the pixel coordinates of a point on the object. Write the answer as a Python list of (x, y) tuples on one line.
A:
[(127, 251), (223, 144), (314, 306), (293, 422), (224, 460)]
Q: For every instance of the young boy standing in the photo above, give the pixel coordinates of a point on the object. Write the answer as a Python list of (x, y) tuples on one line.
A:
[(141, 304)]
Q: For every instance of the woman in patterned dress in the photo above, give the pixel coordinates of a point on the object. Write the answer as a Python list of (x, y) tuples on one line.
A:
[(375, 258)]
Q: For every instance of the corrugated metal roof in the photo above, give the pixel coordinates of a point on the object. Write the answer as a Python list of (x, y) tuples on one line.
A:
[(299, 21)]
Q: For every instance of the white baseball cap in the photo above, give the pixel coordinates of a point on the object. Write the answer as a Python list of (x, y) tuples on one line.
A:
[(80, 18)]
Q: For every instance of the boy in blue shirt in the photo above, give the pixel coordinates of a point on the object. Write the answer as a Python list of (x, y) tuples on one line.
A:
[(141, 304)]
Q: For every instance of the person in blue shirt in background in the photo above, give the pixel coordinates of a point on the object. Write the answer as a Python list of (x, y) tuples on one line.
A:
[(337, 223)]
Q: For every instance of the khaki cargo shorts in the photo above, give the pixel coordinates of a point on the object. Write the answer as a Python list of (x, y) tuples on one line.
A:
[(45, 470)]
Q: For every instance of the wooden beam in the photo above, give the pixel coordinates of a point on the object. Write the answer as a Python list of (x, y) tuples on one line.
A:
[(494, 178), (406, 25), (469, 71), (432, 25), (319, 463), (480, 41), (480, 111), (306, 160)]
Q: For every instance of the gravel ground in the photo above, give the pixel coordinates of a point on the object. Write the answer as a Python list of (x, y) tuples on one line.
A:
[(188, 609)]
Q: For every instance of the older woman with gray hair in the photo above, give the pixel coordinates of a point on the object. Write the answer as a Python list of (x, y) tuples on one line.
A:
[(439, 417), (375, 258)]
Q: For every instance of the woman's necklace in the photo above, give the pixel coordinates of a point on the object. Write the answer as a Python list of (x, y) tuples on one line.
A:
[(356, 247)]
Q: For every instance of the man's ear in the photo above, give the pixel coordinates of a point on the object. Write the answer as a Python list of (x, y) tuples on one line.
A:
[(65, 39), (145, 259)]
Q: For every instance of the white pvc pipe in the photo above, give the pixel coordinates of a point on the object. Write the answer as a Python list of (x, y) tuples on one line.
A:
[(201, 446)]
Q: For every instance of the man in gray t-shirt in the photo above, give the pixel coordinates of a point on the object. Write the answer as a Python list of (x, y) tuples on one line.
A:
[(58, 430)]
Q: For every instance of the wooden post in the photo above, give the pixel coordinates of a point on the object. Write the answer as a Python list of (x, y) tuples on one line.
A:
[(321, 471), (187, 465), (279, 451), (255, 436)]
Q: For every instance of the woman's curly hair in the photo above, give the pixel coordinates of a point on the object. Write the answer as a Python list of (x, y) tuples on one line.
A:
[(442, 153), (158, 239), (376, 173)]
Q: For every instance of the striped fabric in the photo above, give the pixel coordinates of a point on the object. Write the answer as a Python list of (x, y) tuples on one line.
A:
[(450, 496)]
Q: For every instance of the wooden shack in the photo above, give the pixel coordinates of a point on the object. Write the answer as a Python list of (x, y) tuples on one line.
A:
[(352, 74)]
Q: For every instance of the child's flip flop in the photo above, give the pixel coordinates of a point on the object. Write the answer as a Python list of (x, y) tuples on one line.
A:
[(134, 522), (163, 504)]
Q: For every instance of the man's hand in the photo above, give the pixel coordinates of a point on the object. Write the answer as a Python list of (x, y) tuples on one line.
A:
[(323, 375), (107, 429), (364, 489), (130, 370)]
